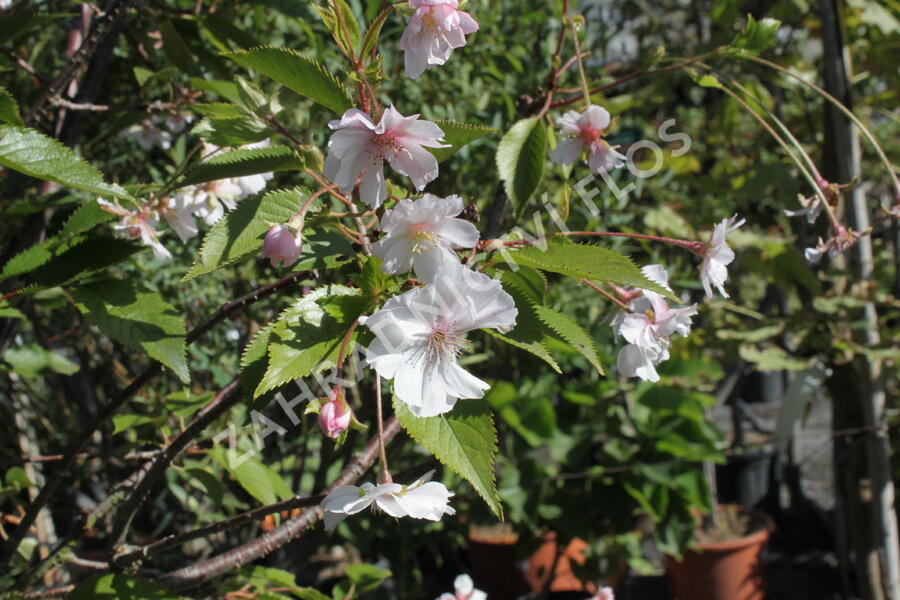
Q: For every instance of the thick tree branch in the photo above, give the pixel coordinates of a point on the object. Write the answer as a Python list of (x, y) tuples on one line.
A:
[(194, 575)]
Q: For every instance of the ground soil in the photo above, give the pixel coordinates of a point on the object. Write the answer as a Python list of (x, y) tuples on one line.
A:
[(730, 523)]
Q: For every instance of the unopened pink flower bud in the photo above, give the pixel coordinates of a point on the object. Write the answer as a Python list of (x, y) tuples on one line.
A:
[(282, 246), (334, 417)]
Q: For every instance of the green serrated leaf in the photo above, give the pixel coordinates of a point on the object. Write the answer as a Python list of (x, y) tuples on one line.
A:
[(250, 474), (371, 38), (138, 318), (366, 577), (755, 37), (243, 162), (9, 109), (239, 234), (37, 155), (307, 337), (176, 49), (81, 258), (458, 135), (585, 261), (218, 110), (255, 359), (464, 440), (85, 218), (520, 159), (31, 360), (570, 332), (238, 131), (296, 72)]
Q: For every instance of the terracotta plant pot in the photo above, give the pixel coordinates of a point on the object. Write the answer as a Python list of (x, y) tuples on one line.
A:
[(495, 563), (724, 570), (564, 580)]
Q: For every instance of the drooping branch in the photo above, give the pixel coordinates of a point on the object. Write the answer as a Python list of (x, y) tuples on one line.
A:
[(194, 575)]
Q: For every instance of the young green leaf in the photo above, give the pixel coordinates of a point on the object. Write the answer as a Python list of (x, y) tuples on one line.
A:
[(570, 332), (35, 154), (9, 109), (307, 337), (299, 73), (458, 135), (755, 37), (142, 320), (520, 159), (463, 440)]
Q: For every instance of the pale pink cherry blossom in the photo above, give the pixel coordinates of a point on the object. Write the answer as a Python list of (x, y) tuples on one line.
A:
[(423, 499), (584, 131), (464, 589), (176, 122), (420, 334), (811, 208), (148, 134), (335, 415), (179, 214), (423, 234), (359, 147), (717, 256), (436, 28), (604, 593), (843, 240), (648, 327), (137, 225), (282, 245)]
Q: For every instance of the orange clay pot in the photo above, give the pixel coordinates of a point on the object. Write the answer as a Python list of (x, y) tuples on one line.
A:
[(564, 580), (495, 564), (729, 570)]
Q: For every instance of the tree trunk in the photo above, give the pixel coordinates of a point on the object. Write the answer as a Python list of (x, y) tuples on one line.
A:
[(878, 552)]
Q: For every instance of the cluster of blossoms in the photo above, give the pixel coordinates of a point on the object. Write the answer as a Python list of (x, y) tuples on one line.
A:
[(148, 132), (207, 202), (648, 327)]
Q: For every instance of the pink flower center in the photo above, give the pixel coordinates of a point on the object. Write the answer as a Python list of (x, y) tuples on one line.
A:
[(589, 134), (444, 341), (384, 146), (422, 238)]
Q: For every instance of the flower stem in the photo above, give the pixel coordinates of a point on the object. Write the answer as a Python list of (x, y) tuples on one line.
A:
[(385, 474), (585, 88), (609, 296), (837, 103)]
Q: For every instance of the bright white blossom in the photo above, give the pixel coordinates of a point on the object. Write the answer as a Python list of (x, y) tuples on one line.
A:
[(717, 256), (423, 499), (464, 589), (584, 131), (148, 134), (137, 225), (420, 334), (282, 246), (359, 147), (648, 327), (605, 593), (434, 31), (422, 234)]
